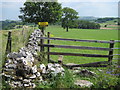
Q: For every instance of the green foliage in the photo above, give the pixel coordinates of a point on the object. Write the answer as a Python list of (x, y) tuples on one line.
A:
[(10, 24), (65, 81), (85, 25), (34, 12), (102, 20), (69, 15), (118, 21), (4, 84), (42, 58), (105, 81), (101, 79)]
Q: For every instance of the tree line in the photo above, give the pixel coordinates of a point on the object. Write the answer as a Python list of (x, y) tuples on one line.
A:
[(10, 24), (81, 24), (103, 20), (52, 12)]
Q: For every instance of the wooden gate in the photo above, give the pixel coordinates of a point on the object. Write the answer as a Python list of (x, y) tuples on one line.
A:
[(95, 64)]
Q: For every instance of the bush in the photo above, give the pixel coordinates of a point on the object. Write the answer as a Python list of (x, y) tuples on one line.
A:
[(59, 81), (85, 25)]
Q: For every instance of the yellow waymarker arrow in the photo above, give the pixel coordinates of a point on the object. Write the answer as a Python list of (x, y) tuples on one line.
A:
[(43, 24), (51, 35)]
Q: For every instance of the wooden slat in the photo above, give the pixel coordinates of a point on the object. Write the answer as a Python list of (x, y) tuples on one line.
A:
[(76, 54), (115, 48), (116, 58), (86, 66), (77, 47), (117, 41), (116, 54), (97, 41), (95, 64)]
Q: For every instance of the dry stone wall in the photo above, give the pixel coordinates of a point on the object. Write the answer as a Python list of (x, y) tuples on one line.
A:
[(20, 70)]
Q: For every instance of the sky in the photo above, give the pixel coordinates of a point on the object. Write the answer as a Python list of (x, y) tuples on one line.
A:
[(10, 9)]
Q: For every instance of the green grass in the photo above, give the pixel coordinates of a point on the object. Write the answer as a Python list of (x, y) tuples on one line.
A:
[(85, 34), (18, 41)]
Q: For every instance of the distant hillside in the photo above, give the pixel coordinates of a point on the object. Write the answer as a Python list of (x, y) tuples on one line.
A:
[(106, 19), (88, 18), (9, 24), (0, 25)]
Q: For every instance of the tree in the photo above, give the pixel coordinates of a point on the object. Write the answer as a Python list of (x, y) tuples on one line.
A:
[(69, 15), (118, 21), (34, 12)]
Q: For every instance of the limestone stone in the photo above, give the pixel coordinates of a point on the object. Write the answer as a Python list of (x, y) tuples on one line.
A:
[(32, 77), (76, 71), (71, 64), (76, 68), (8, 61), (20, 78), (33, 85), (49, 65), (34, 69), (42, 66), (83, 83), (8, 76), (11, 66), (26, 85), (26, 80), (12, 84), (54, 69), (57, 65), (14, 55), (38, 74), (40, 79), (15, 62), (86, 72), (8, 70), (44, 71)]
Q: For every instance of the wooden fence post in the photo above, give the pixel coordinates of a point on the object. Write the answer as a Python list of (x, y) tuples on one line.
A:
[(42, 41), (9, 43), (111, 52), (60, 59), (48, 49)]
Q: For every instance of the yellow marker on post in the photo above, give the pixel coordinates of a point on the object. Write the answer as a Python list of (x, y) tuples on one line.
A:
[(51, 35), (43, 24)]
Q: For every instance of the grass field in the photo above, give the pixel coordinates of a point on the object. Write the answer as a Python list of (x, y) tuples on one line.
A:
[(86, 34), (19, 40)]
